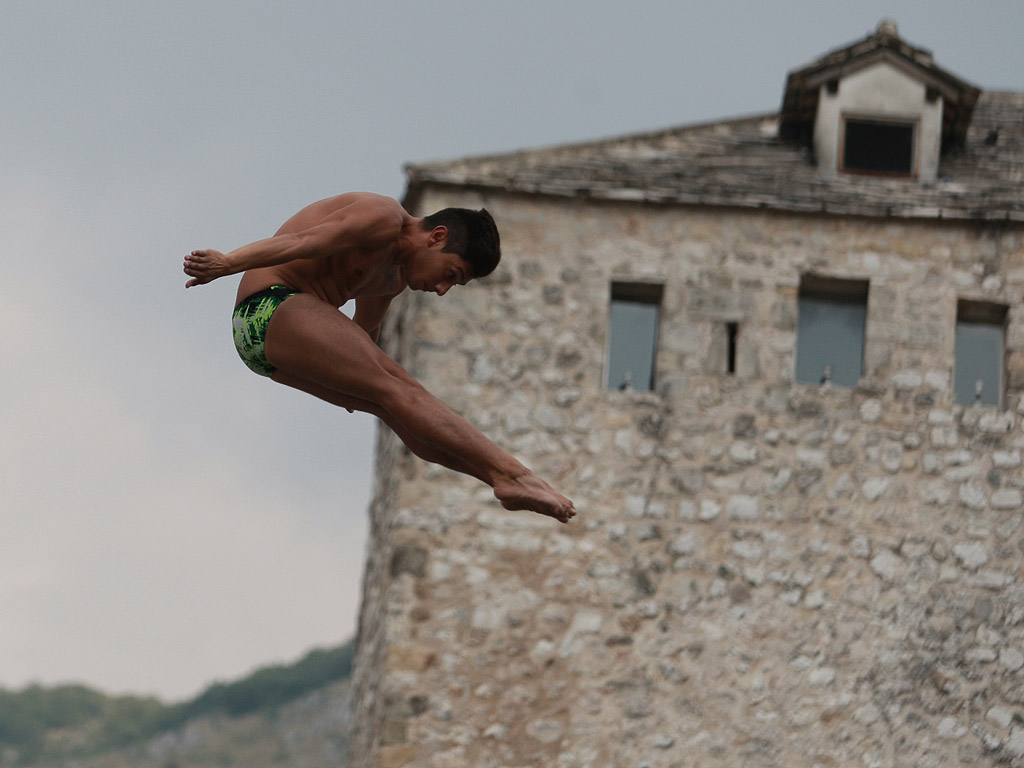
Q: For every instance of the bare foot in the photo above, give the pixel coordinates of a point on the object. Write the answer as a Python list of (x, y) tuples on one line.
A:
[(530, 492)]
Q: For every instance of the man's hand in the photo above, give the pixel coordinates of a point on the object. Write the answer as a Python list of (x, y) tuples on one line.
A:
[(205, 265)]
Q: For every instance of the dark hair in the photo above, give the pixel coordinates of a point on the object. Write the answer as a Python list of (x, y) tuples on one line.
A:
[(471, 234)]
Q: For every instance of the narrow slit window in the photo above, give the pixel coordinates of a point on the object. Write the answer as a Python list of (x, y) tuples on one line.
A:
[(633, 335), (979, 352), (732, 331), (831, 318), (878, 146)]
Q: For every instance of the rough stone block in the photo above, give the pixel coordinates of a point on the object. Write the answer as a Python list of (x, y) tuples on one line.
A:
[(686, 545), (743, 508), (1007, 498), (1014, 745), (971, 556), (886, 565), (395, 756), (972, 495), (409, 558), (999, 716), (413, 657)]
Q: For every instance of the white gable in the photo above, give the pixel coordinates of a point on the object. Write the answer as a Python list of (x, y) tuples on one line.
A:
[(883, 92)]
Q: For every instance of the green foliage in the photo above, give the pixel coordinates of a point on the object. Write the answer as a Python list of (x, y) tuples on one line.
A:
[(129, 719), (268, 687), (26, 717), (32, 719)]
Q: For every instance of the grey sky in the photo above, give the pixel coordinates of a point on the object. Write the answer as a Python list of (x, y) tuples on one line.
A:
[(169, 518)]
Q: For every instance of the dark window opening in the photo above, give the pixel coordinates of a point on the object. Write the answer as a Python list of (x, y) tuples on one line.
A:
[(978, 354), (731, 333), (876, 146), (633, 335)]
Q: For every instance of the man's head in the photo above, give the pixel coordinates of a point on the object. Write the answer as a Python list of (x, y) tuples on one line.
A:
[(471, 234)]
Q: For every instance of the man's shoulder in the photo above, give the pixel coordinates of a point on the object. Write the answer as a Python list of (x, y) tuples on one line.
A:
[(368, 201), (368, 210)]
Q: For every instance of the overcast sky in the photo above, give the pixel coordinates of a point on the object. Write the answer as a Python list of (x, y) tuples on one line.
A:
[(169, 518)]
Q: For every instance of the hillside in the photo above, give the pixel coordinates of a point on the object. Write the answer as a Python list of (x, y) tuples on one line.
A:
[(282, 715)]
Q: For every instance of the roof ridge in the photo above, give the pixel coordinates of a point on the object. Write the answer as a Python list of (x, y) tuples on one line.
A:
[(597, 143)]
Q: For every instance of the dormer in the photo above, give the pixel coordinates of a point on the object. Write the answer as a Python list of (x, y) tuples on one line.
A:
[(879, 107)]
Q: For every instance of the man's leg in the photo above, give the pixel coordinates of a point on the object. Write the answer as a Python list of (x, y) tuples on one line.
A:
[(314, 342), (425, 452)]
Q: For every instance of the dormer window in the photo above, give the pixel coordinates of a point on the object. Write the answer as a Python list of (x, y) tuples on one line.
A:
[(878, 146), (878, 107)]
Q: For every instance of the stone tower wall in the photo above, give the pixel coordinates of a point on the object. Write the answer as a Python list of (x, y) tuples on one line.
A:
[(762, 572)]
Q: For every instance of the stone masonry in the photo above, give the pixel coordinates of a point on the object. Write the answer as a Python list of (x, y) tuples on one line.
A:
[(762, 573)]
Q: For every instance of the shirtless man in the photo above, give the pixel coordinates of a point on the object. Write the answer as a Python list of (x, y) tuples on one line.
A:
[(288, 326)]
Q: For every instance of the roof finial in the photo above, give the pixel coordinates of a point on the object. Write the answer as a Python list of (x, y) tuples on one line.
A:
[(887, 27)]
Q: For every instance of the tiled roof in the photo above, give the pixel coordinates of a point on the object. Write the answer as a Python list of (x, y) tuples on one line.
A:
[(744, 163)]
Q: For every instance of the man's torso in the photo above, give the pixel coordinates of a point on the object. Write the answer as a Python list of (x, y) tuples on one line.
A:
[(350, 273)]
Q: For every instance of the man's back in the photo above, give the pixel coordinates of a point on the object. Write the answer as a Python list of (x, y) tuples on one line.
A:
[(359, 265)]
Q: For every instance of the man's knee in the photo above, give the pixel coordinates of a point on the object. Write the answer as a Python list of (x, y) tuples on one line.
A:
[(394, 392)]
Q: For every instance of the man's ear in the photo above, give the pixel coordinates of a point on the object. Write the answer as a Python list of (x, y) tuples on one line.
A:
[(438, 235)]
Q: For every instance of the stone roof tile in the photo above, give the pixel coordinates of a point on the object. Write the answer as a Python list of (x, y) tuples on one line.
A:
[(744, 163)]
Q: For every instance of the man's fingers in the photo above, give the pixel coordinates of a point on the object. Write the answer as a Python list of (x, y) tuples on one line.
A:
[(203, 266), (194, 264)]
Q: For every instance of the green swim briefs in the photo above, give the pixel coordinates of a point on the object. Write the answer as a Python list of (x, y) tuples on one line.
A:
[(250, 321)]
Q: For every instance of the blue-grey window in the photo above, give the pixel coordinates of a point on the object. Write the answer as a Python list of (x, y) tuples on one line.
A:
[(831, 318), (633, 335), (979, 352)]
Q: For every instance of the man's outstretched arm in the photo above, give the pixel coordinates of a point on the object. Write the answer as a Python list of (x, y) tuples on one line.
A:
[(360, 224)]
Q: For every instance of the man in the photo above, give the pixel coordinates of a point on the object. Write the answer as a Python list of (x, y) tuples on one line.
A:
[(288, 326)]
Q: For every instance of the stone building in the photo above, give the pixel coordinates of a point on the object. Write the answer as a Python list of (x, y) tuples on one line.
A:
[(778, 363)]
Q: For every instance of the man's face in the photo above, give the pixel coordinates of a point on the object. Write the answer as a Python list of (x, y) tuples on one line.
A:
[(437, 271)]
